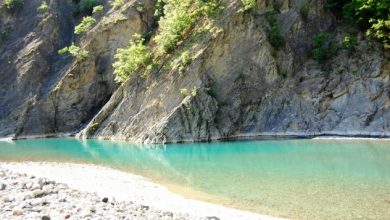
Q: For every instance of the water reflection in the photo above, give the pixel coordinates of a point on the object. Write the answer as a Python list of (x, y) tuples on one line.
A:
[(296, 178)]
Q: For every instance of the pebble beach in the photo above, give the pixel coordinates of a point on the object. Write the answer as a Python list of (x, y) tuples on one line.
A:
[(75, 191)]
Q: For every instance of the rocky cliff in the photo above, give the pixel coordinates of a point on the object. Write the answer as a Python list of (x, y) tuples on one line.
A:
[(44, 93), (236, 84)]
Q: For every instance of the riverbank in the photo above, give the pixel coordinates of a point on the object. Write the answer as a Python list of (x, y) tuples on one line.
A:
[(57, 190), (237, 137)]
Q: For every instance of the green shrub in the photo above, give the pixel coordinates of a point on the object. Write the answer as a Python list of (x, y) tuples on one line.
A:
[(380, 30), (275, 36), (5, 30), (304, 10), (185, 58), (194, 91), (176, 20), (84, 7), (63, 51), (84, 25), (13, 4), (117, 3), (248, 4), (350, 43), (75, 51), (43, 6), (94, 126), (372, 16), (159, 8), (185, 92), (179, 17), (324, 47), (98, 9), (130, 59)]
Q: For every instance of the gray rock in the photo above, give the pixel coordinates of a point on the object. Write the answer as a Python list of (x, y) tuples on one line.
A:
[(45, 217), (3, 186), (38, 193), (35, 186)]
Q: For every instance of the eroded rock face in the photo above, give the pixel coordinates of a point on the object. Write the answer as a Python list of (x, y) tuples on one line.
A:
[(43, 93), (238, 84), (349, 95)]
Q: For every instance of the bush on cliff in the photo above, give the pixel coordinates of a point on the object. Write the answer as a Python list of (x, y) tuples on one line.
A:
[(373, 17), (129, 59), (13, 4)]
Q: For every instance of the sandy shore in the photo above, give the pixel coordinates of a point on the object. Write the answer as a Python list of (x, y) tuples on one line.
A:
[(125, 187)]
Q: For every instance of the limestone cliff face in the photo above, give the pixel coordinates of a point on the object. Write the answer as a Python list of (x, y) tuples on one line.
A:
[(250, 96), (43, 93), (237, 84)]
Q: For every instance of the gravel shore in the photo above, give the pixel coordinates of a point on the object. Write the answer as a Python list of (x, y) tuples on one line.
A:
[(74, 191)]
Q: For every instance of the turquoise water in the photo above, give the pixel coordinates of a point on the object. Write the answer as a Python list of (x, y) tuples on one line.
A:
[(299, 179)]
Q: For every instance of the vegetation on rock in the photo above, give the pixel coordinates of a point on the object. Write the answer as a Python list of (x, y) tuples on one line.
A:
[(129, 59), (5, 30), (43, 6), (13, 4), (98, 9), (84, 7), (350, 43), (248, 4), (84, 25), (373, 17), (324, 47), (117, 3), (75, 51), (275, 36), (178, 18), (304, 10)]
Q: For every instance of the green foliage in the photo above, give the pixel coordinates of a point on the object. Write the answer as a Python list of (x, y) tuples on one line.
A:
[(275, 36), (179, 17), (43, 6), (350, 43), (194, 91), (159, 8), (98, 9), (94, 126), (84, 7), (185, 58), (380, 30), (13, 4), (117, 3), (75, 51), (5, 30), (114, 19), (304, 10), (130, 59), (248, 4), (211, 91), (63, 51), (372, 16), (185, 92), (84, 25), (324, 47)]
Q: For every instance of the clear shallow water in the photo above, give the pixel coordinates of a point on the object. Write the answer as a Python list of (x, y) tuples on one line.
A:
[(299, 179)]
